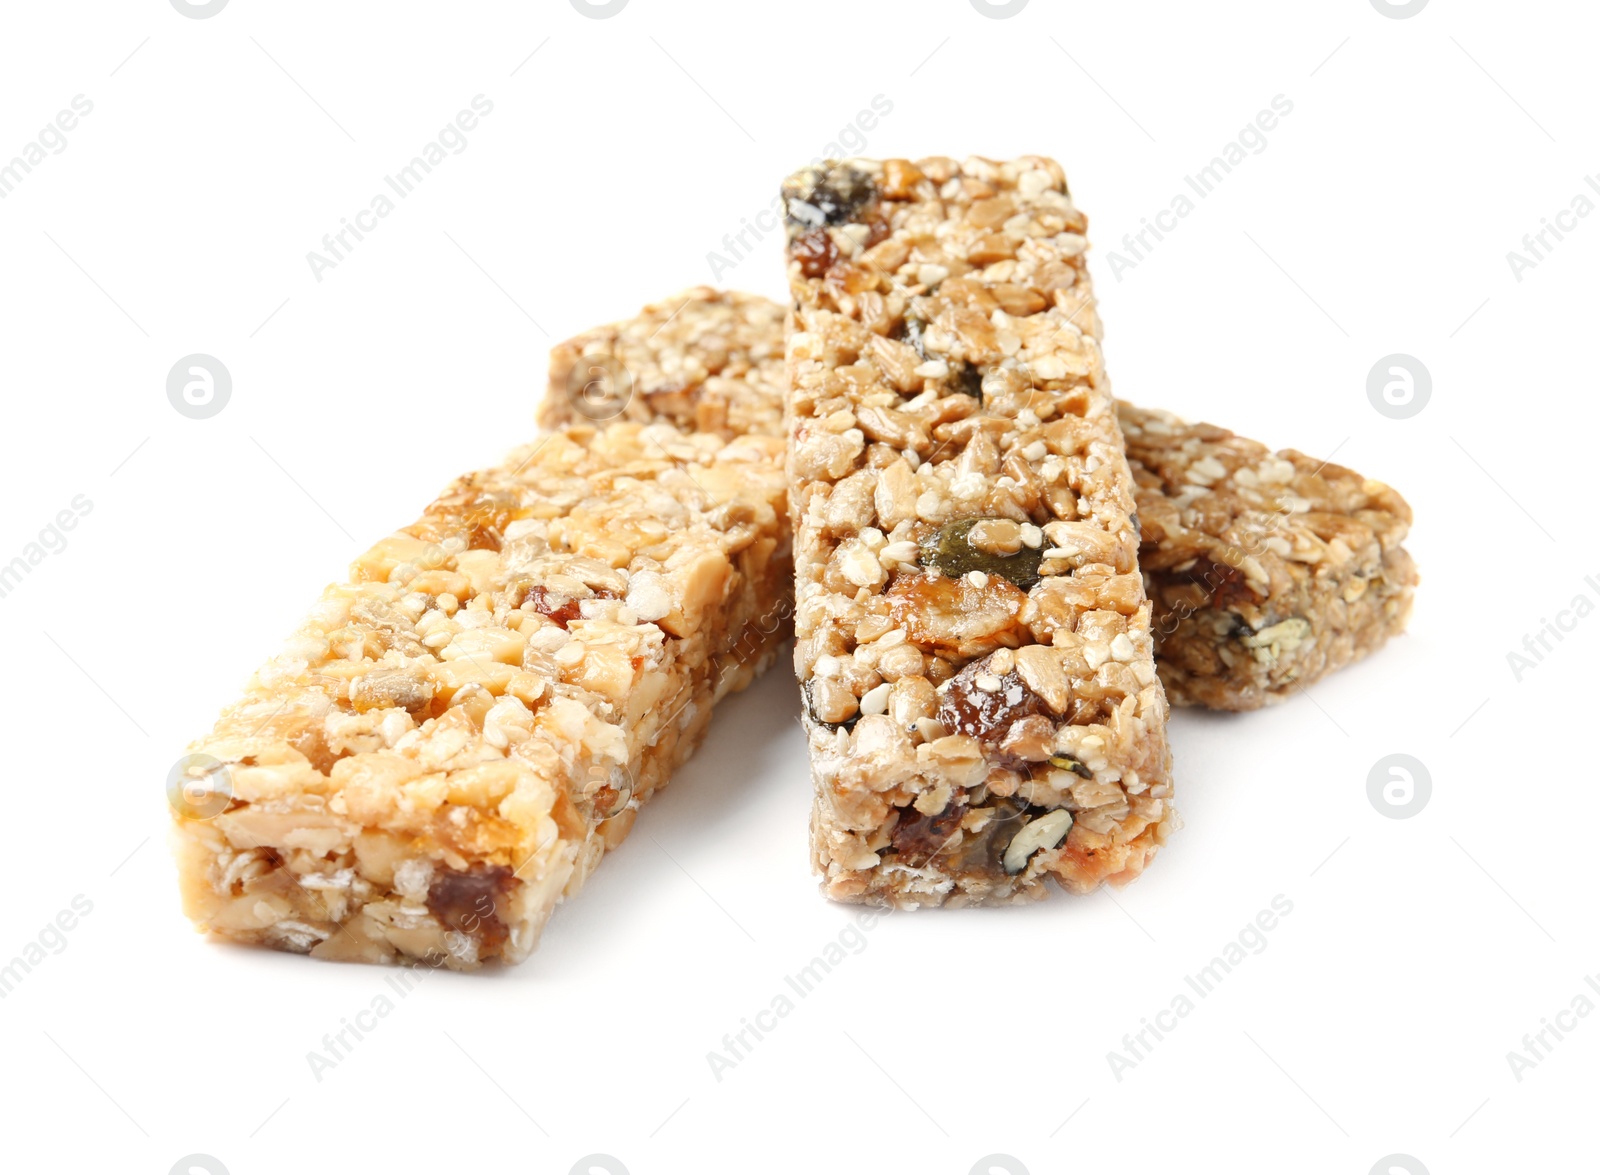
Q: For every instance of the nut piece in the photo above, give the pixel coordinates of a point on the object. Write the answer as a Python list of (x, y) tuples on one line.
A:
[(1044, 833), (995, 536)]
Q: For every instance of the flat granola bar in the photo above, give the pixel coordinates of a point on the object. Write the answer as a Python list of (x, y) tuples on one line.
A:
[(972, 635), (458, 734), (706, 360), (1267, 570)]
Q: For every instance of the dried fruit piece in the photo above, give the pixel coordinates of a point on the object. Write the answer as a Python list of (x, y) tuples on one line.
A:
[(956, 615), (983, 851), (910, 332), (815, 251), (949, 552), (1226, 586), (967, 378), (982, 703), (918, 838), (835, 198), (558, 607), (468, 901), (468, 511), (1068, 763)]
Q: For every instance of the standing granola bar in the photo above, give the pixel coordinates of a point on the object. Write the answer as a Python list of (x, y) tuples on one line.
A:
[(458, 733), (972, 636), (1267, 570), (1252, 594)]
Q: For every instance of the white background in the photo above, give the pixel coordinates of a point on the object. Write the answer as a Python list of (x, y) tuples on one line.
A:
[(1378, 1018)]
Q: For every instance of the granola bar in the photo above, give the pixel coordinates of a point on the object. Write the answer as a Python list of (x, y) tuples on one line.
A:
[(457, 735), (706, 360), (972, 635), (1238, 620), (1267, 570)]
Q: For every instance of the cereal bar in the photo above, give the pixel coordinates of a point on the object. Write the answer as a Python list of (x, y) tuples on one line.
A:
[(706, 360), (973, 639), (1249, 597), (459, 732), (1266, 570)]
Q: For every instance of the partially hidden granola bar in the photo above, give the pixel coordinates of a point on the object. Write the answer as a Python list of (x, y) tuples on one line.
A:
[(459, 732), (973, 639), (1266, 570), (706, 360)]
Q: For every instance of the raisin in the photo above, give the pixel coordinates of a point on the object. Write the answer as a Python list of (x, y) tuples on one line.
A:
[(481, 517), (1225, 585), (985, 850), (608, 791), (836, 198), (948, 552), (967, 379), (544, 603), (815, 251), (466, 902), (986, 715), (918, 839)]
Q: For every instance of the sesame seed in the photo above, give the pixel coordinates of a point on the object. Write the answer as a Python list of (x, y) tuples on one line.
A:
[(876, 699)]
